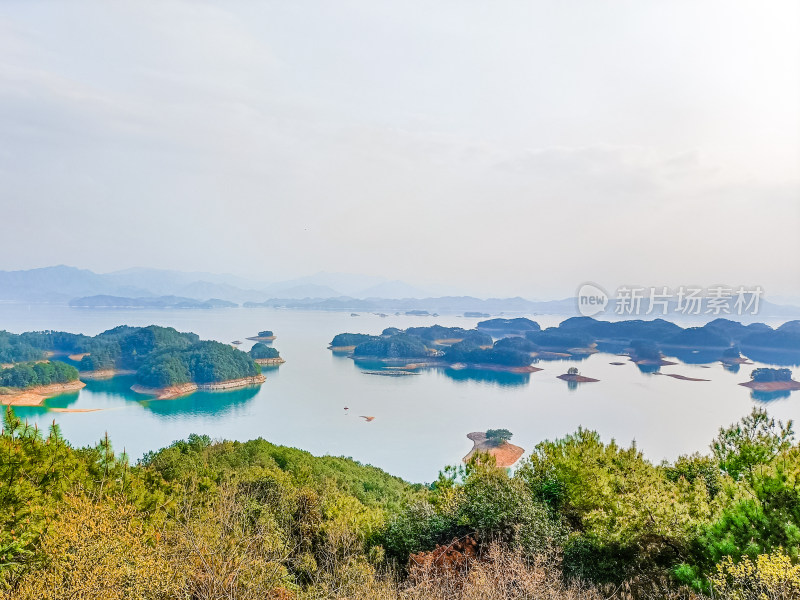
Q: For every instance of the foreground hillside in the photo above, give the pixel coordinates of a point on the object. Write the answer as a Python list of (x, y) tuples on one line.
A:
[(579, 519)]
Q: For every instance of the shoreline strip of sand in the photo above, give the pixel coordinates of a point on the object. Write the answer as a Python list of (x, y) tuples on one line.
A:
[(184, 389)]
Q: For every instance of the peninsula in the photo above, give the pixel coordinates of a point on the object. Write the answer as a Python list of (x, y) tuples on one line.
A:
[(30, 384)]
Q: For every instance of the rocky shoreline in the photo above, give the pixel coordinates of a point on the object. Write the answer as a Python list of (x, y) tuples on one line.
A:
[(269, 362), (184, 389), (257, 338), (34, 396)]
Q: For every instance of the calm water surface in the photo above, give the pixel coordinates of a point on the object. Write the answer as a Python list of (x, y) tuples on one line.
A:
[(420, 421)]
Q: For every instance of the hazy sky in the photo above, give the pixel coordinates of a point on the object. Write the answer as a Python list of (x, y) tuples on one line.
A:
[(498, 147)]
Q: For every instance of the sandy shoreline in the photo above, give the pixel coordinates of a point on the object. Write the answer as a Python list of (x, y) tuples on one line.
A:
[(681, 377), (184, 389), (653, 362), (576, 378), (257, 338), (505, 454), (36, 395), (772, 386)]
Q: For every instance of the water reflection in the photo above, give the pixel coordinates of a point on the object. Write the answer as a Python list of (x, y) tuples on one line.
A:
[(201, 403), (767, 397), (695, 357), (781, 358), (484, 376)]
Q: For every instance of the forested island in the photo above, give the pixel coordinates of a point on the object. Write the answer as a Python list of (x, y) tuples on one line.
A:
[(434, 346), (522, 342), (165, 362), (265, 355), (771, 380), (205, 520)]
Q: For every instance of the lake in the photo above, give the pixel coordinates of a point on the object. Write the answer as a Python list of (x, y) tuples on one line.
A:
[(420, 421)]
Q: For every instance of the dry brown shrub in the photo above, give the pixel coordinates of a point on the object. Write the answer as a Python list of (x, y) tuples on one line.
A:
[(103, 551)]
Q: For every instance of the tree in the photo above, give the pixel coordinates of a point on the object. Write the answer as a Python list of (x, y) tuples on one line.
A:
[(764, 374), (753, 441), (572, 371), (498, 436)]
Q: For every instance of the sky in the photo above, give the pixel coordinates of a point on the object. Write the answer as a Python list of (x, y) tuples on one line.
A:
[(497, 148)]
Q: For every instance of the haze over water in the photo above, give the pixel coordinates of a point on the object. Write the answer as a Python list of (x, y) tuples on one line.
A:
[(420, 421)]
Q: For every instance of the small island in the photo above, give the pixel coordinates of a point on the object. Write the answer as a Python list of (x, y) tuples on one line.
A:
[(771, 380), (263, 336), (573, 375), (495, 443), (264, 355)]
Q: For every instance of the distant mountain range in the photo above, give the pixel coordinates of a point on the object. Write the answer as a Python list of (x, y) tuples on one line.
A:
[(158, 288), (103, 301), (61, 284)]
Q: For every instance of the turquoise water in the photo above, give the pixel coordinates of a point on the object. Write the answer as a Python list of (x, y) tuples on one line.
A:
[(420, 421)]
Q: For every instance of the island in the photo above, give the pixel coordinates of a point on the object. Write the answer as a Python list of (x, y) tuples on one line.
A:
[(263, 336), (771, 380), (205, 365), (265, 355), (518, 326), (30, 384), (435, 346), (347, 342), (495, 443), (164, 361), (574, 376)]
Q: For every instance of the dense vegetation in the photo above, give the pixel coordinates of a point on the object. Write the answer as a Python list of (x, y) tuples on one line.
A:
[(578, 335), (579, 518), (468, 352), (161, 356), (400, 345), (260, 350), (40, 373), (265, 333), (518, 325), (202, 362), (554, 339), (344, 340)]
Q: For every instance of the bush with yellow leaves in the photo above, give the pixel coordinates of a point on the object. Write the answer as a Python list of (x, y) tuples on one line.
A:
[(768, 577)]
